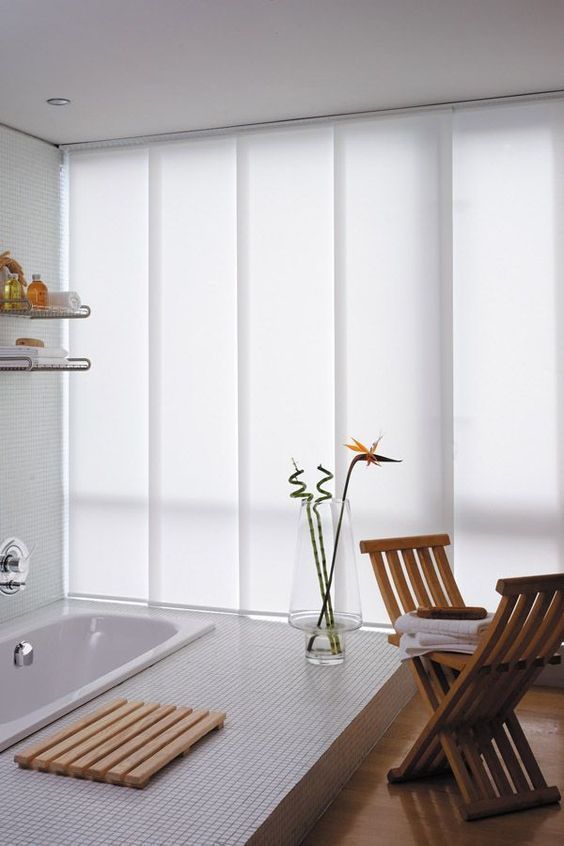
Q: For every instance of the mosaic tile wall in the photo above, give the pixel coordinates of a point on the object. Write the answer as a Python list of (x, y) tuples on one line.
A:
[(31, 405)]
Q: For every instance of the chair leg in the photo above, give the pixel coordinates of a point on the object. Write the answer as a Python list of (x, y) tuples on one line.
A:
[(525, 787), (508, 804), (425, 758), (436, 763), (493, 764)]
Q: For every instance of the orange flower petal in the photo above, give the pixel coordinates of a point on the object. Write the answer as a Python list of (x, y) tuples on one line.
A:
[(361, 447)]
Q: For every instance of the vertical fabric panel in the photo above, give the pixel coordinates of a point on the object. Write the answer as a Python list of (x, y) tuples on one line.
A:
[(392, 279), (108, 404), (508, 358), (194, 486), (286, 355), (266, 296)]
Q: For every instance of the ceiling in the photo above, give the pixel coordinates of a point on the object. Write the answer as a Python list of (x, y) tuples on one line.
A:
[(136, 67)]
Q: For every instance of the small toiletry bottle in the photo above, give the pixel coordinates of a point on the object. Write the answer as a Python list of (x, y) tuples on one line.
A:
[(37, 292), (13, 290)]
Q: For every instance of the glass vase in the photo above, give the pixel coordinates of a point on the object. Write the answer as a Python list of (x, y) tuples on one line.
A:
[(325, 615)]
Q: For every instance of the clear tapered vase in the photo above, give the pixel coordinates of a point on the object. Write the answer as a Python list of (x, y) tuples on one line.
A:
[(325, 599)]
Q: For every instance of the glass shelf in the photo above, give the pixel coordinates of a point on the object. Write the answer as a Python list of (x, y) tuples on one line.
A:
[(22, 308), (25, 364)]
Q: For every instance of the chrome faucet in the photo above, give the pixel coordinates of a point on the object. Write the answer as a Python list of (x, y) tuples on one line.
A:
[(23, 654), (14, 565)]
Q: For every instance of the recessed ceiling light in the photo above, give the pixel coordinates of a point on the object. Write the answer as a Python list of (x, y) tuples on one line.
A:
[(58, 101)]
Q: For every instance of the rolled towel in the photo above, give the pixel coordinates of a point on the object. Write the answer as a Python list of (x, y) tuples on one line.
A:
[(412, 624), (420, 643), (64, 299)]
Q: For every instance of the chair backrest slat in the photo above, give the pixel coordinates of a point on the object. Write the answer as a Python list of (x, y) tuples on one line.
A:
[(446, 575), (539, 604), (396, 570), (417, 582), (431, 577), (549, 632), (386, 590), (521, 607)]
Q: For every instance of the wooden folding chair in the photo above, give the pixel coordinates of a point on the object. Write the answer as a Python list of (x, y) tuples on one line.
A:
[(473, 730)]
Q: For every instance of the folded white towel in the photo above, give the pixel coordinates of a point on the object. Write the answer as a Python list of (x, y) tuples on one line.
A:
[(42, 352), (34, 352), (419, 643), (16, 357), (411, 624), (51, 352), (64, 299)]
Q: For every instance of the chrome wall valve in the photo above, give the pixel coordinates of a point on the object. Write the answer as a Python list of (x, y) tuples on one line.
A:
[(14, 565)]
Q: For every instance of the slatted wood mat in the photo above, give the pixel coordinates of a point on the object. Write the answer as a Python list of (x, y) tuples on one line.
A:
[(122, 743)]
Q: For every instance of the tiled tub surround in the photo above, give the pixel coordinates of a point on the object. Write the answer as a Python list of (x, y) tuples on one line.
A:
[(32, 498), (76, 657), (294, 734)]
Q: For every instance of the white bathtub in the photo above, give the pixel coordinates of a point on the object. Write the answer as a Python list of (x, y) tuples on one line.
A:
[(75, 657)]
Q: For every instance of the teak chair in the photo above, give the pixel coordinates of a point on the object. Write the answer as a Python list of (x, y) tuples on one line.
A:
[(473, 730)]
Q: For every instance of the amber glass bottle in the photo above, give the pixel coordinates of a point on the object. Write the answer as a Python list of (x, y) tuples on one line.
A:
[(37, 292)]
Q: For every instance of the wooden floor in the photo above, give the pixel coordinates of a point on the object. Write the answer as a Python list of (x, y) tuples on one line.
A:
[(369, 812)]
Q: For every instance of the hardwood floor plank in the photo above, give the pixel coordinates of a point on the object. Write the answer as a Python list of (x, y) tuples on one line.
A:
[(369, 811)]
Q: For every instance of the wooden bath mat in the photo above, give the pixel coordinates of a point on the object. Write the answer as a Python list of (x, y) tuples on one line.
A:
[(122, 743)]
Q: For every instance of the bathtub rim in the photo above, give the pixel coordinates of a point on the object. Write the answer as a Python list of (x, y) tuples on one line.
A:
[(16, 730)]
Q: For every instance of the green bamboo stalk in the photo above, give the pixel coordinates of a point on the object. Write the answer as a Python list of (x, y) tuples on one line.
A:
[(302, 493), (336, 545), (334, 639)]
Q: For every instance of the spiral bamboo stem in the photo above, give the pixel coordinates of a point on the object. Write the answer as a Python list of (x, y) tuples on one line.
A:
[(302, 493)]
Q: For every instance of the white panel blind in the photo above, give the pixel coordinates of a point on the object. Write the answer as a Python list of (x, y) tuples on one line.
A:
[(508, 170), (391, 274), (286, 344), (109, 405), (269, 294), (193, 374)]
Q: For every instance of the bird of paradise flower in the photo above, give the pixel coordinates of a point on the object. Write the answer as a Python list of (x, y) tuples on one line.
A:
[(369, 454)]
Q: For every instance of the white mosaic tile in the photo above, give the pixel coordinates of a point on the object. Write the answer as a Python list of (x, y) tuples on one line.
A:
[(31, 406), (238, 786)]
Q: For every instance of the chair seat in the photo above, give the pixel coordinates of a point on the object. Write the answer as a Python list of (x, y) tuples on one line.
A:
[(456, 660)]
